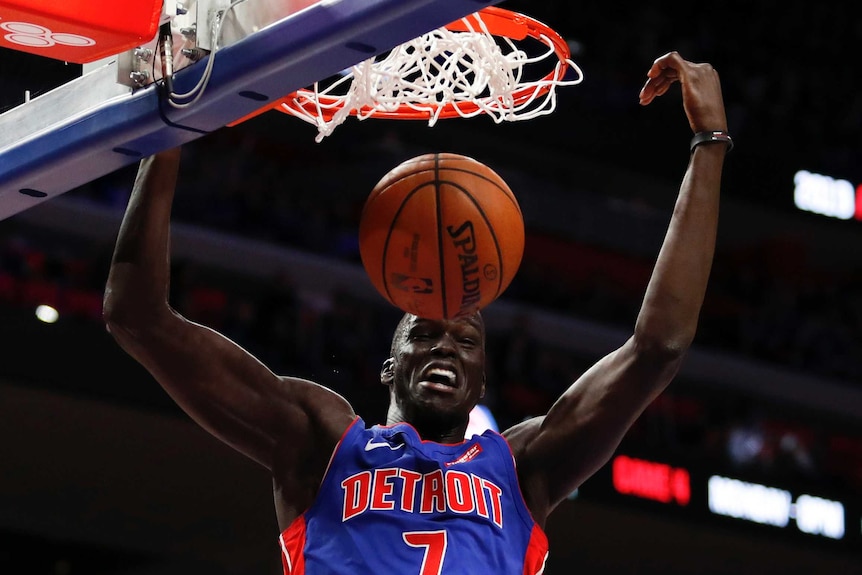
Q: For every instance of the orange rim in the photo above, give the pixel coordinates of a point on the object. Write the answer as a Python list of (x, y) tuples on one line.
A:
[(499, 22)]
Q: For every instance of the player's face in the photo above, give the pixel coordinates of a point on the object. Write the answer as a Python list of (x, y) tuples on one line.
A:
[(438, 366)]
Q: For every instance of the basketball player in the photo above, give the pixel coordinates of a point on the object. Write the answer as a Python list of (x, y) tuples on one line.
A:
[(413, 497)]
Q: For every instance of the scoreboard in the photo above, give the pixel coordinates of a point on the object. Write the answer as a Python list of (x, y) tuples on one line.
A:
[(797, 514), (827, 196)]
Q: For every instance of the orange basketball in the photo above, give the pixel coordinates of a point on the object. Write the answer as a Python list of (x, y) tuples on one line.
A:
[(441, 236)]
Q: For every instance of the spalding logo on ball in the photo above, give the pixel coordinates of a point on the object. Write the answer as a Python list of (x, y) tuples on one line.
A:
[(441, 236)]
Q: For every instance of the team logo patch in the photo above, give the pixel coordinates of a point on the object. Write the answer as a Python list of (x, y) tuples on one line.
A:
[(469, 455)]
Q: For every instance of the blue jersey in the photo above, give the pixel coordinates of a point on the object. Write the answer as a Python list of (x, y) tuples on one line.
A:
[(393, 504)]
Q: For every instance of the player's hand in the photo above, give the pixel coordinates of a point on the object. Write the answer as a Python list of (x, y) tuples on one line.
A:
[(701, 90)]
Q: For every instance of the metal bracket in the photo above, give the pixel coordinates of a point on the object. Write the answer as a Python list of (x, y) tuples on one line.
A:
[(141, 66)]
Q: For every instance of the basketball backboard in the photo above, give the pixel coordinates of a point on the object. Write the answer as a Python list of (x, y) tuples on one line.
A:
[(101, 121)]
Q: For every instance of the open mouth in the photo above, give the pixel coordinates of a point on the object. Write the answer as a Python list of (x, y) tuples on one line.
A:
[(440, 378)]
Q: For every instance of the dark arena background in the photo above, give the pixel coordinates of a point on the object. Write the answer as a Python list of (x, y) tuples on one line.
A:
[(751, 462)]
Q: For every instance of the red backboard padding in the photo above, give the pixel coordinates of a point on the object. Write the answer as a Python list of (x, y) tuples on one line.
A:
[(77, 31)]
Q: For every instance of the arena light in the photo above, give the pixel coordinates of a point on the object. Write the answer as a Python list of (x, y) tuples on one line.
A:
[(775, 507), (47, 314), (650, 480)]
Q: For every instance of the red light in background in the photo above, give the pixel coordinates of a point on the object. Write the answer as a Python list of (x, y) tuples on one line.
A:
[(858, 214), (649, 480)]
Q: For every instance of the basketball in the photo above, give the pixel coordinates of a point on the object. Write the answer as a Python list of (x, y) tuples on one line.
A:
[(441, 236)]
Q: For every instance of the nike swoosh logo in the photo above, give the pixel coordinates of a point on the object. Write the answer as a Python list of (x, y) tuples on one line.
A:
[(374, 445)]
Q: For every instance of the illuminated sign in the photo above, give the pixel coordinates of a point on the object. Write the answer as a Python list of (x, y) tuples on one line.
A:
[(827, 196), (749, 501), (818, 516), (775, 507), (789, 511), (649, 480)]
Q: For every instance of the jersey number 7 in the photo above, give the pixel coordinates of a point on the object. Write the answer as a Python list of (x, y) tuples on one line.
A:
[(434, 543)]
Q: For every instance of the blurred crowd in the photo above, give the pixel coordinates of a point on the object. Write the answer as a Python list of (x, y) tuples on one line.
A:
[(341, 341), (785, 69), (765, 300)]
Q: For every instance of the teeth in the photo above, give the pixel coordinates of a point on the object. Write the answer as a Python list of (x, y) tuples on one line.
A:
[(446, 373)]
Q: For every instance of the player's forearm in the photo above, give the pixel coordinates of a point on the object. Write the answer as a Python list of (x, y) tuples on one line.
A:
[(675, 294), (140, 270)]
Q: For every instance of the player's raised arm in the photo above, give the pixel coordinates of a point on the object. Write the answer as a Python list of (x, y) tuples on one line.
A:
[(221, 386), (556, 453)]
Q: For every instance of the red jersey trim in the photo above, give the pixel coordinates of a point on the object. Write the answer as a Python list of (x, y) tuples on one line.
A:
[(537, 552), (334, 451), (292, 543), (292, 539), (536, 525)]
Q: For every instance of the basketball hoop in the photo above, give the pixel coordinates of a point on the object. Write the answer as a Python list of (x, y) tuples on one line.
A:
[(472, 66)]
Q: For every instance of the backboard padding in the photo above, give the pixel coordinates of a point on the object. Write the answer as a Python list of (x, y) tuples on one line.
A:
[(290, 54)]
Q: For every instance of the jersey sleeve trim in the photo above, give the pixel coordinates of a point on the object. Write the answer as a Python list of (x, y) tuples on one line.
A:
[(337, 447), (292, 542), (516, 483), (537, 552)]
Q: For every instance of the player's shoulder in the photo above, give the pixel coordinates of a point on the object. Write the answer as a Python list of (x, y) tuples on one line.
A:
[(319, 403), (307, 390), (520, 435)]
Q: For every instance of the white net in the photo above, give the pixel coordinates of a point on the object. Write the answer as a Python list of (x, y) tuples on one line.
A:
[(443, 73)]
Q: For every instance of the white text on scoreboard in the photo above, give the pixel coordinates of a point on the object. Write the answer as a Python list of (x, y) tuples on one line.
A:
[(827, 196), (776, 507)]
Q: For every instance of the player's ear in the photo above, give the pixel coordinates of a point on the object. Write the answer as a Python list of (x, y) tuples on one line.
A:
[(482, 393), (386, 373)]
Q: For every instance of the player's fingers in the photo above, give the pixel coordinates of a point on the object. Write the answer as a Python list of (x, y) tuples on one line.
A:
[(663, 87), (669, 63), (645, 97), (664, 82), (656, 87), (647, 93), (664, 71)]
